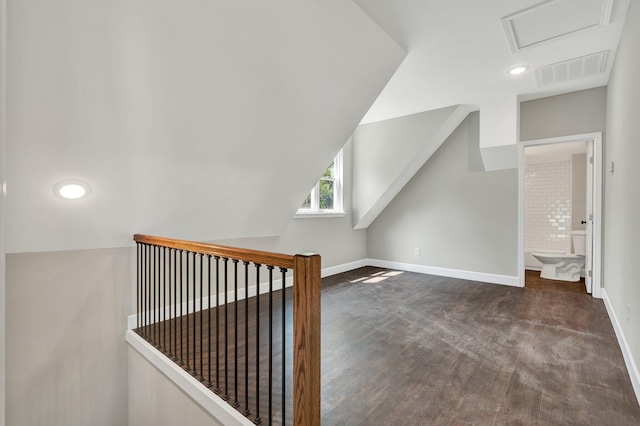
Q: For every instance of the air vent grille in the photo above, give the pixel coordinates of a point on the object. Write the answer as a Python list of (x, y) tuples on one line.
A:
[(572, 69)]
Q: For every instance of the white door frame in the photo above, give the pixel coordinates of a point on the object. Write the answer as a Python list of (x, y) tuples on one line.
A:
[(598, 162)]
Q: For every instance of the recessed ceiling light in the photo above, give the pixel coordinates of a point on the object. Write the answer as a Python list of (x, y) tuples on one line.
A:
[(518, 70), (71, 189)]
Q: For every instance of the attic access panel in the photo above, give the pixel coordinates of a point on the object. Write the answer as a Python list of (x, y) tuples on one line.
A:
[(554, 19)]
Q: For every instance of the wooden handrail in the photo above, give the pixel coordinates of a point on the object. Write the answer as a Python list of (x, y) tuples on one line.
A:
[(256, 256), (306, 313)]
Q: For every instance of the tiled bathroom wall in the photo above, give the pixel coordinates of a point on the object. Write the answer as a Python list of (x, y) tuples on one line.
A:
[(547, 206)]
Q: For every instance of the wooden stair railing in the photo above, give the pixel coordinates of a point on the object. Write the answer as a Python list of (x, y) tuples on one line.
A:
[(170, 273)]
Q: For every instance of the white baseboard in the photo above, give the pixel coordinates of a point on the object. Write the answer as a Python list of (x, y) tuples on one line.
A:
[(445, 272), (632, 367), (345, 267)]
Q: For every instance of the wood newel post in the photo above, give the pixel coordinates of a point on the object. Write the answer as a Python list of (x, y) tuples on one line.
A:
[(306, 340)]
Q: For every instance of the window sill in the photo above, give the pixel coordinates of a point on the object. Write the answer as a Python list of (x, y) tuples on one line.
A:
[(316, 215)]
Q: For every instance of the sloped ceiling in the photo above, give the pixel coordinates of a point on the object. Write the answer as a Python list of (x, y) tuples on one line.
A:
[(459, 52), (387, 154), (191, 119)]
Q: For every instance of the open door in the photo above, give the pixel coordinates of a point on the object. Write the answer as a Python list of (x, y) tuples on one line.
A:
[(588, 265)]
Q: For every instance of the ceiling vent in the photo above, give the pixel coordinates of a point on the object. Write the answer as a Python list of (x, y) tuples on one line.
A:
[(572, 69), (553, 19)]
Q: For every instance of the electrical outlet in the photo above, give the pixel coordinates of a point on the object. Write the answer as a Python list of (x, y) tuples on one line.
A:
[(416, 251), (628, 314)]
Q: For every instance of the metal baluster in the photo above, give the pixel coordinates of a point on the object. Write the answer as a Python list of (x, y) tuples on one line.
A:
[(142, 288), (145, 297), (246, 412), (188, 367), (148, 333), (170, 347), (138, 281), (180, 359), (235, 404), (217, 389), (164, 293), (284, 336), (201, 323), (226, 329), (209, 318), (195, 356), (159, 288), (175, 304), (156, 295), (270, 384), (257, 419)]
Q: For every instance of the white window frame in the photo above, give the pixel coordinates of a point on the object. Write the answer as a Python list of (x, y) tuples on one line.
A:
[(338, 210)]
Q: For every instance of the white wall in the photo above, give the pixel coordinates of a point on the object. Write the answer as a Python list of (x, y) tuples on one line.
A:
[(499, 131), (387, 154), (622, 200), (3, 233), (155, 400), (192, 119), (459, 216), (332, 237), (66, 353)]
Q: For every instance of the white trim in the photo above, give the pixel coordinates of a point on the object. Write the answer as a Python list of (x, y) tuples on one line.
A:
[(200, 394), (345, 267), (445, 272), (632, 367), (317, 215), (598, 159), (338, 269), (314, 210)]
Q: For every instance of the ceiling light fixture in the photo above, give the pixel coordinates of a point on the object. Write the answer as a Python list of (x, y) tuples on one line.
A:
[(518, 70), (71, 189)]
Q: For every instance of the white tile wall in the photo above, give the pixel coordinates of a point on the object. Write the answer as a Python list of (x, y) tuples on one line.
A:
[(547, 206)]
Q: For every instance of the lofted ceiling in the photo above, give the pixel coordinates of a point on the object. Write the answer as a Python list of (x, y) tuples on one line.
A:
[(459, 51), (193, 119), (209, 119)]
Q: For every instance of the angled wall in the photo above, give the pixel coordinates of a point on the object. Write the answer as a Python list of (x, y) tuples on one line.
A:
[(66, 353), (193, 119), (332, 237), (388, 153), (459, 216)]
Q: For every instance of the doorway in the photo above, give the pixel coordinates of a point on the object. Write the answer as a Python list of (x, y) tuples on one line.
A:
[(591, 216)]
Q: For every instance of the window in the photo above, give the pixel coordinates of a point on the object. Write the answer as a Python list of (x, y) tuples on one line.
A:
[(326, 196)]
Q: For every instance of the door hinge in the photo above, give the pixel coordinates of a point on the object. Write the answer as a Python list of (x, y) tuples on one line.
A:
[(590, 273), (591, 217), (590, 160)]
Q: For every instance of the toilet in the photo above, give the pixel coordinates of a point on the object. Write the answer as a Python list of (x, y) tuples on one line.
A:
[(564, 267)]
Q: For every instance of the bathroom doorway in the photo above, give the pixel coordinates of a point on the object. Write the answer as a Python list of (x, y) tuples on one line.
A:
[(560, 200)]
